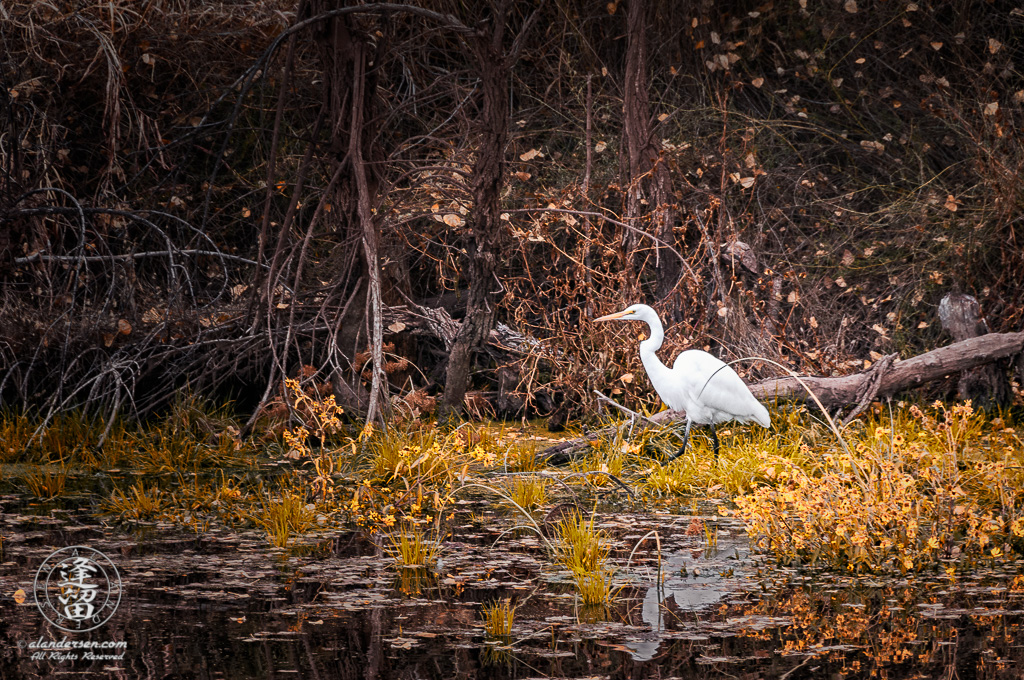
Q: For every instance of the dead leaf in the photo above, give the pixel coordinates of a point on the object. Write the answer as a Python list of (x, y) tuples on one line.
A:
[(108, 339), (600, 146), (626, 378), (19, 596), (746, 182), (530, 155), (793, 297), (936, 46), (994, 45), (522, 176), (847, 258), (757, 82), (152, 315), (991, 108), (850, 6), (950, 203), (453, 220), (923, 324), (878, 329), (841, 282), (397, 327), (814, 322), (123, 327), (723, 311)]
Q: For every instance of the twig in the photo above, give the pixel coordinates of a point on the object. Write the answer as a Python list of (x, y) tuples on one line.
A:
[(609, 475), (871, 386), (39, 257), (622, 408)]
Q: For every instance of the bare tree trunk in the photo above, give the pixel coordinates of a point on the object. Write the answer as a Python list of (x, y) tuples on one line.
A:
[(986, 386), (488, 52), (349, 92), (369, 235), (648, 178)]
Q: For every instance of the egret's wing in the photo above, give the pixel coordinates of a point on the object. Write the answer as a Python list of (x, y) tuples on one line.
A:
[(715, 386)]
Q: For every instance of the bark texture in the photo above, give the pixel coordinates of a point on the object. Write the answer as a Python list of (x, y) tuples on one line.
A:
[(485, 218), (986, 386), (647, 176)]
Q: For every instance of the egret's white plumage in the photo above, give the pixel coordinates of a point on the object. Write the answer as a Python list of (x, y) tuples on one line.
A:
[(705, 387)]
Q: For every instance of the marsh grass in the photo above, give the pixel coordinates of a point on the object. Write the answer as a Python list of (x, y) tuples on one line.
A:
[(614, 455), (583, 549), (522, 457), (920, 489), (411, 547), (46, 483), (407, 473), (138, 502), (284, 516), (528, 492), (15, 431), (498, 618), (193, 433)]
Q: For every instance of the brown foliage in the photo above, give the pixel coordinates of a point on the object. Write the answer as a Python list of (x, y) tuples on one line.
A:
[(183, 174)]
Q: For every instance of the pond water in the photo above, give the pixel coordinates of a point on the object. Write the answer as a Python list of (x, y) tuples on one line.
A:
[(227, 605)]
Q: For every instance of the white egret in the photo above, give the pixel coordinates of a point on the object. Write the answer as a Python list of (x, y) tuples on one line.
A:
[(705, 387)]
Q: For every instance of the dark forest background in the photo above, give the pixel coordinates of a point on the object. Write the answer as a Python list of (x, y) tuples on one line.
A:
[(422, 206)]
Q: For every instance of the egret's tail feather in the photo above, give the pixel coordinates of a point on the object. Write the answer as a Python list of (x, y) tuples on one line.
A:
[(762, 417)]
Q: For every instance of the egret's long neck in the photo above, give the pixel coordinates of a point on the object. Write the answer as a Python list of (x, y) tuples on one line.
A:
[(650, 347)]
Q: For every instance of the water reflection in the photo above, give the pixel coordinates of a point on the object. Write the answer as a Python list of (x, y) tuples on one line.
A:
[(674, 598), (224, 606)]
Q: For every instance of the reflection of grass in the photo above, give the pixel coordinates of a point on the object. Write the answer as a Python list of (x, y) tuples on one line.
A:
[(46, 483), (498, 618), (415, 580)]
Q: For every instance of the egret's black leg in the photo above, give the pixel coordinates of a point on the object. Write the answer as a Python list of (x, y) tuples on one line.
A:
[(714, 439), (686, 440)]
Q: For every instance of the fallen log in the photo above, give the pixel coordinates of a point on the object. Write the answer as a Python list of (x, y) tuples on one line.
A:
[(900, 375), (887, 377)]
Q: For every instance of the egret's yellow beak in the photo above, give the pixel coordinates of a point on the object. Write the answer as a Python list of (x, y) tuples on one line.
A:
[(616, 315)]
